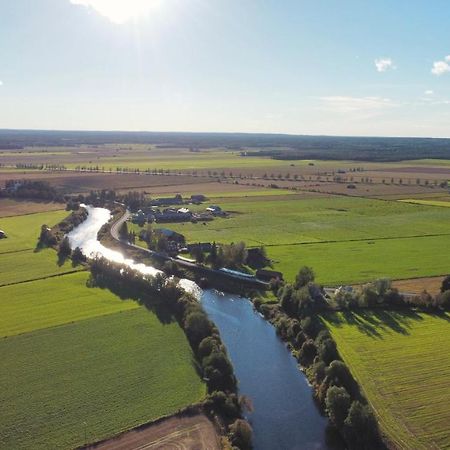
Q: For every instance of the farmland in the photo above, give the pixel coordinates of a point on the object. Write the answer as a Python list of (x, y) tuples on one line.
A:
[(23, 230), (100, 376), (344, 239), (79, 364), (404, 372), (54, 301)]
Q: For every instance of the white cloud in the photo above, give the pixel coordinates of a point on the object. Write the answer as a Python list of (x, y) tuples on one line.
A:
[(384, 64), (1, 83), (428, 92), (441, 67), (119, 11), (344, 104)]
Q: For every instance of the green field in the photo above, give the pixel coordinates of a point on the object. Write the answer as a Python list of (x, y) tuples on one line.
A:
[(348, 239), (101, 375), (355, 262), (443, 204), (27, 265), (54, 301), (402, 362), (79, 360), (23, 231)]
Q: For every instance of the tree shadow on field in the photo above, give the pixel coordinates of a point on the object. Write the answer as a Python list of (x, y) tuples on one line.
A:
[(153, 303), (373, 322)]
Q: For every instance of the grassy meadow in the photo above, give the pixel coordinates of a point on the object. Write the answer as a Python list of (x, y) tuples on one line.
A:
[(23, 231), (100, 376), (344, 239), (50, 302), (17, 267), (402, 362)]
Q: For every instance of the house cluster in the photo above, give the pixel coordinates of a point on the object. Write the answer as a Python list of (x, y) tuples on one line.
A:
[(176, 210)]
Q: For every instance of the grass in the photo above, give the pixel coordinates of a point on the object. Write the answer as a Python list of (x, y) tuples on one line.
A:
[(354, 262), (28, 265), (100, 376), (349, 239), (402, 362), (427, 202), (23, 231), (54, 301)]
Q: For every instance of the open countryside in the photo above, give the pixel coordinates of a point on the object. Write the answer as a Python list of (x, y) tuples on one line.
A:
[(224, 225)]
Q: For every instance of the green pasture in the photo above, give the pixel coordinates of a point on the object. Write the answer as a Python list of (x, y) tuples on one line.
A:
[(23, 231), (348, 239), (402, 362), (353, 262), (28, 265), (98, 376), (54, 301), (288, 221)]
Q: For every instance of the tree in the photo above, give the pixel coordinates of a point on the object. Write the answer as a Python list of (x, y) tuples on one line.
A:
[(339, 374), (241, 434), (305, 275), (445, 284), (78, 257), (360, 427), (64, 250), (337, 403), (198, 254), (123, 232)]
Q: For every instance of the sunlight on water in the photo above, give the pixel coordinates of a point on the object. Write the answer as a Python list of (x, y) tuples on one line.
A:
[(85, 237)]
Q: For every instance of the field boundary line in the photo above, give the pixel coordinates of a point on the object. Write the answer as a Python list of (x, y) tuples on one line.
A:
[(16, 251), (390, 238), (70, 272)]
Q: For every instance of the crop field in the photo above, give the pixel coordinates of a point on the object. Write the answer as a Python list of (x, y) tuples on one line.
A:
[(10, 207), (402, 362), (54, 301), (344, 239), (98, 377)]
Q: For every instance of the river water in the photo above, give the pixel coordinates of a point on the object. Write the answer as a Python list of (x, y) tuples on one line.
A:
[(284, 415)]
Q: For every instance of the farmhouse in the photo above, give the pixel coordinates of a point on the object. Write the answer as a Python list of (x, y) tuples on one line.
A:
[(177, 200), (171, 235), (198, 198)]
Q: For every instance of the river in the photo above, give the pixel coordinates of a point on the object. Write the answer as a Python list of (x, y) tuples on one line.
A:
[(284, 415)]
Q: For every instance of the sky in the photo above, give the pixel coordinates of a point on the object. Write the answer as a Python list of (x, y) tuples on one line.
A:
[(322, 67)]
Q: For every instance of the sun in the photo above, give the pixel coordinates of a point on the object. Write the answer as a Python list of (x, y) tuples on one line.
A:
[(120, 11)]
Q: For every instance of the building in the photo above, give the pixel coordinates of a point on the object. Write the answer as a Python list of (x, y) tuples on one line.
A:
[(267, 275), (177, 200), (214, 209), (198, 198), (171, 235)]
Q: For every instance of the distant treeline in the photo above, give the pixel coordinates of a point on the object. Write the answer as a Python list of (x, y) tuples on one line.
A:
[(290, 146)]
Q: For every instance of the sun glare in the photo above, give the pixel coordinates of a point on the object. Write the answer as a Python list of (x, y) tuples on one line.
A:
[(120, 11)]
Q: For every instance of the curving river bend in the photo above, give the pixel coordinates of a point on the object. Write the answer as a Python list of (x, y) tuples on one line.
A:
[(284, 415)]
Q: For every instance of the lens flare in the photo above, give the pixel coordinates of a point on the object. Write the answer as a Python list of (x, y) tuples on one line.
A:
[(120, 11)]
